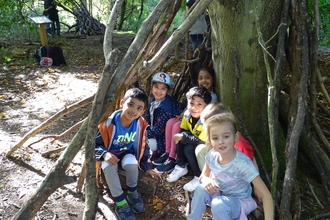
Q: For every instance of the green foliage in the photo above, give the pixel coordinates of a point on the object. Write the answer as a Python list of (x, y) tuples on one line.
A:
[(324, 7), (5, 55), (14, 22), (10, 12), (26, 61), (133, 20), (324, 10), (15, 25)]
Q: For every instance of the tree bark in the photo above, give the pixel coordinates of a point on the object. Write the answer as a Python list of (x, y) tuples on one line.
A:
[(298, 94), (275, 96), (233, 25), (95, 115)]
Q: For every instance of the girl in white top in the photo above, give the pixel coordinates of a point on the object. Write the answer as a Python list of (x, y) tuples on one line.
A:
[(226, 177)]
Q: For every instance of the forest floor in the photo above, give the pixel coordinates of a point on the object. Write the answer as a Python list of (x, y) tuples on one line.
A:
[(30, 94)]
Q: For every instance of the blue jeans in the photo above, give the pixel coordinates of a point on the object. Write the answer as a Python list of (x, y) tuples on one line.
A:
[(223, 207)]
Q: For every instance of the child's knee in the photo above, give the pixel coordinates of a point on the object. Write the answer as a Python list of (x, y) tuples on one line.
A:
[(218, 202), (131, 167), (219, 207), (201, 150), (152, 142), (170, 122)]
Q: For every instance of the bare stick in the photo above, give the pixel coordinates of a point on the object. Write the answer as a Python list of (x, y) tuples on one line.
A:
[(48, 122), (312, 190), (60, 136)]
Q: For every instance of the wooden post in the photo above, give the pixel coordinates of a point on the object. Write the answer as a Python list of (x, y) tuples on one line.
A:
[(43, 35), (41, 20)]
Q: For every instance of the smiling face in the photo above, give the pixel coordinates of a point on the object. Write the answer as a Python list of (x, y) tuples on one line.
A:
[(159, 90), (132, 109), (222, 137), (205, 79), (195, 106)]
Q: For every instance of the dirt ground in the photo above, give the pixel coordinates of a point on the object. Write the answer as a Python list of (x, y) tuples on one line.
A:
[(30, 94)]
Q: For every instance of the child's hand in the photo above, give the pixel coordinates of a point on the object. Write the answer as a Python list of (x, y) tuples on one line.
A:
[(210, 186), (154, 173), (110, 158), (177, 138)]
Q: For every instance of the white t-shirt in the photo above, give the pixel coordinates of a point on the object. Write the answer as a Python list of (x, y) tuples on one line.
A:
[(235, 177)]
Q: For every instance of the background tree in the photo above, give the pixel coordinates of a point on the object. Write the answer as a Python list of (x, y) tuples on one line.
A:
[(242, 28)]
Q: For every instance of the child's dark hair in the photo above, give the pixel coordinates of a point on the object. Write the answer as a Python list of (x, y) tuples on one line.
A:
[(208, 69), (199, 91), (138, 94)]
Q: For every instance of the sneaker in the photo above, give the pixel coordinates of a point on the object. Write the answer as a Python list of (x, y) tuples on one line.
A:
[(134, 199), (160, 160), (167, 166), (177, 173), (124, 213), (192, 184), (154, 155)]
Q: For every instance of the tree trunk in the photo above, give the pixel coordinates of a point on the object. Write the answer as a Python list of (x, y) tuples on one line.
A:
[(121, 16), (233, 25), (95, 115)]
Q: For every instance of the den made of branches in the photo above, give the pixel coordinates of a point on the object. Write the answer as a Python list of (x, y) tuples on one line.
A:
[(255, 45)]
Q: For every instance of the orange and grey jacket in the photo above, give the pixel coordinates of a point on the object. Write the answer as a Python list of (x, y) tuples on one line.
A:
[(107, 132)]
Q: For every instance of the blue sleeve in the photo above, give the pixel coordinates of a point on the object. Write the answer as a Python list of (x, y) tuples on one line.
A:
[(99, 147), (145, 163), (147, 116), (161, 116)]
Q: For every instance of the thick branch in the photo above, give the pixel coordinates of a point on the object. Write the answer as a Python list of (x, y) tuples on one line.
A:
[(50, 121), (107, 45), (298, 96), (176, 36), (53, 179), (153, 43), (60, 136)]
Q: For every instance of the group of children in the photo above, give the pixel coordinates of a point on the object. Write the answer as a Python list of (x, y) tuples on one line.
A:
[(203, 136)]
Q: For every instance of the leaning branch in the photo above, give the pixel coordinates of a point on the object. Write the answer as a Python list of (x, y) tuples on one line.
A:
[(174, 38), (50, 121), (60, 136)]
